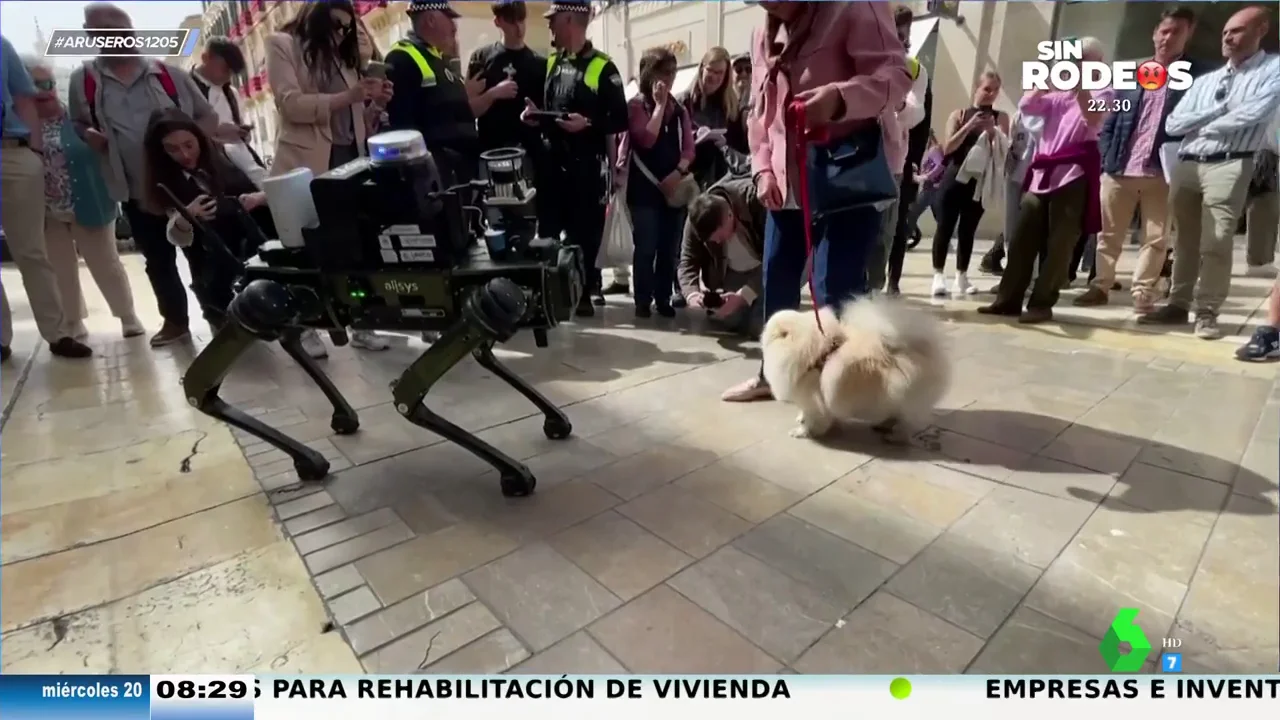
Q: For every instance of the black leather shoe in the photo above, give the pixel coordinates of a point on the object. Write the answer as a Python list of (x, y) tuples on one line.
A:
[(1167, 315), (991, 264), (70, 348)]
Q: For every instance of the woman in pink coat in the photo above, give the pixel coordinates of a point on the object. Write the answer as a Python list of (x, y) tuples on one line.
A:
[(845, 62)]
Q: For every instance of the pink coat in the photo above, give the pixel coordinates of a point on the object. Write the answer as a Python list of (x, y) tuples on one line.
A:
[(853, 46)]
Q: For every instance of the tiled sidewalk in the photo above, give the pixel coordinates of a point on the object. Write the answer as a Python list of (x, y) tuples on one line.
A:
[(1062, 481)]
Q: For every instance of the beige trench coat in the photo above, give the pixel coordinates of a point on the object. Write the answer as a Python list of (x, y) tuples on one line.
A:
[(304, 137)]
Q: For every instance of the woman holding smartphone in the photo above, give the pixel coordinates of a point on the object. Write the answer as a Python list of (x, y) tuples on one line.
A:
[(959, 207), (327, 108), (655, 155), (197, 171)]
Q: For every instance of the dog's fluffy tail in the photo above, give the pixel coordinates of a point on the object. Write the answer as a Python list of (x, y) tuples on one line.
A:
[(898, 326), (902, 348)]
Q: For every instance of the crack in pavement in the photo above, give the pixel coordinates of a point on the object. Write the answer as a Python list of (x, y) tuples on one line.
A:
[(426, 657), (60, 627), (185, 465)]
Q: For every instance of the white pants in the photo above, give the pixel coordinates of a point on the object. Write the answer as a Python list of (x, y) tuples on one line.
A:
[(67, 242)]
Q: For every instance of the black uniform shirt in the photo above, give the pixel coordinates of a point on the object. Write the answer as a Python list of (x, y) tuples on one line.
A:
[(605, 107), (437, 106), (501, 126)]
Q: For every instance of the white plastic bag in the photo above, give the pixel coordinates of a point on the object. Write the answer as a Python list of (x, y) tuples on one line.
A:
[(617, 245)]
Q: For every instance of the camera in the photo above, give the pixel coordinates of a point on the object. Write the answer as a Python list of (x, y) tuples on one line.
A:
[(712, 301)]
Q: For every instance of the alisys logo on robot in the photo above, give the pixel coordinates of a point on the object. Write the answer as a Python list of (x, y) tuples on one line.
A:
[(1124, 630), (400, 287)]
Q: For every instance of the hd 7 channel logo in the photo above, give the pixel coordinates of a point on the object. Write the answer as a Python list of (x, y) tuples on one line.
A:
[(1124, 631)]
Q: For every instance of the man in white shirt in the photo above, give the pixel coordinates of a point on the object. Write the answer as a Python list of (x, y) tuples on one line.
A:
[(220, 62)]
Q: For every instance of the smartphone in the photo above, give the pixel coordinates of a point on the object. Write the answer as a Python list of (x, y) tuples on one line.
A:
[(986, 110), (376, 69), (547, 115)]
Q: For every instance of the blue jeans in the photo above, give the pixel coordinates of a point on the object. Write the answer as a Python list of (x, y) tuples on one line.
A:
[(924, 201), (842, 245), (656, 234)]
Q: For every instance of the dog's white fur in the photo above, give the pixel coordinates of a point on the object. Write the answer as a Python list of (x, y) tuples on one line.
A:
[(879, 362)]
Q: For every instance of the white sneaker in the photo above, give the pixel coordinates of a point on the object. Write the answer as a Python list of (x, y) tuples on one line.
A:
[(368, 340), (132, 327), (313, 345), (939, 285), (1261, 271), (961, 285)]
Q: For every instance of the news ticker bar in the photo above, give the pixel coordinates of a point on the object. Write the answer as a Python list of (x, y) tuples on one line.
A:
[(757, 697), (180, 42)]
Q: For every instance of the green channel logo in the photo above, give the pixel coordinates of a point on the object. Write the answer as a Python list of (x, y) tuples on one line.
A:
[(1124, 630)]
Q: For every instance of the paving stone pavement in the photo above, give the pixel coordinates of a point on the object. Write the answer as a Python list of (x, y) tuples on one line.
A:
[(1061, 480)]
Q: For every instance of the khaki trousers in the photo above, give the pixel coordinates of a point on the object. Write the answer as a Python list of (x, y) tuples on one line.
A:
[(1264, 223), (1120, 197), (1203, 255), (22, 216), (98, 248)]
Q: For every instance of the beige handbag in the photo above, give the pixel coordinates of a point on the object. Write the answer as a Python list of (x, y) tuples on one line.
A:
[(685, 190), (679, 197)]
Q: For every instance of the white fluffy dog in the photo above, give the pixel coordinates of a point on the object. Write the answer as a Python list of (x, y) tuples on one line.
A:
[(879, 362)]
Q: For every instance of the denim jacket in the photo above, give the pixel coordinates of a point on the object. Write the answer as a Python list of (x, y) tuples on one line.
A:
[(90, 197)]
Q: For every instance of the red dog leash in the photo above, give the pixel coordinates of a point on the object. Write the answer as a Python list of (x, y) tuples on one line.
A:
[(801, 135)]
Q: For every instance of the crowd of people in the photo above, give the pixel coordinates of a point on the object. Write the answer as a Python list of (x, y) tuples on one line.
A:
[(709, 176), (1080, 169)]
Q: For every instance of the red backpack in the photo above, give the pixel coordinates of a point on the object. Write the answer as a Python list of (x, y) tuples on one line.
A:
[(91, 90)]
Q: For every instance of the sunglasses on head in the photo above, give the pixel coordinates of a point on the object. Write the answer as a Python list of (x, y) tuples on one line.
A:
[(1224, 87)]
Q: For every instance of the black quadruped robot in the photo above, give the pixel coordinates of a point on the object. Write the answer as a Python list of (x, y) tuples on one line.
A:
[(393, 250)]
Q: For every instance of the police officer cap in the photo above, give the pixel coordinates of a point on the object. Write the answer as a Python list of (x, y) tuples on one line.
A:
[(575, 6), (441, 5)]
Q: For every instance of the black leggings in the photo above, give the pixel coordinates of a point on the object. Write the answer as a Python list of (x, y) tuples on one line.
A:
[(958, 211)]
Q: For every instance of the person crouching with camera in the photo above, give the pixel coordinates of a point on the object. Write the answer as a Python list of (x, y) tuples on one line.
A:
[(182, 158), (721, 267)]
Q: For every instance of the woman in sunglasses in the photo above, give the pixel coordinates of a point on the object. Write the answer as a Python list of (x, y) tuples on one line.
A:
[(80, 215), (326, 108)]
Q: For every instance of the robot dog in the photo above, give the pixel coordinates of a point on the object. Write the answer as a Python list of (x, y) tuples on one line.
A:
[(391, 249)]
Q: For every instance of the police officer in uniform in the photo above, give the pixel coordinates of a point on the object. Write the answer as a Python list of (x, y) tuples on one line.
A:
[(431, 92), (584, 85)]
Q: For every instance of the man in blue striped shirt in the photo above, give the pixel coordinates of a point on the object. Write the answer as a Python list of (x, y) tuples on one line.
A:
[(1224, 120)]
